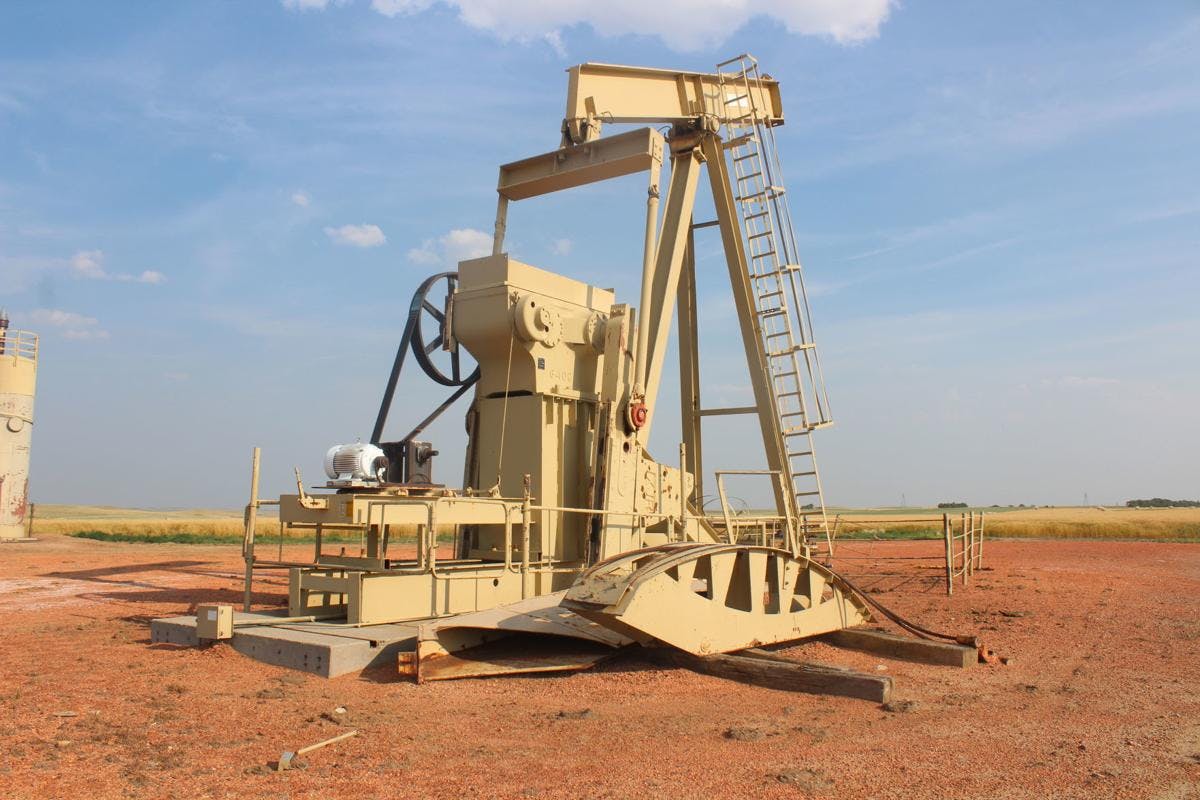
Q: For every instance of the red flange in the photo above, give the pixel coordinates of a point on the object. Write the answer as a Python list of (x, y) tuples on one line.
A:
[(638, 414)]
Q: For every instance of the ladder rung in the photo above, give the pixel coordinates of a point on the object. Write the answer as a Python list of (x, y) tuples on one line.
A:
[(777, 335), (738, 141), (802, 474), (731, 100), (804, 430), (740, 159), (772, 312), (776, 293), (770, 192), (806, 494), (800, 453), (760, 235), (796, 348), (756, 215), (749, 175)]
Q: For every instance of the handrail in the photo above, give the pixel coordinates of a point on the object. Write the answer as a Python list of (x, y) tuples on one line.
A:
[(22, 344)]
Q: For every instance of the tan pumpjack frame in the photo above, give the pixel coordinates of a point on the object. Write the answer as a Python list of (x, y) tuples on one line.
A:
[(559, 480)]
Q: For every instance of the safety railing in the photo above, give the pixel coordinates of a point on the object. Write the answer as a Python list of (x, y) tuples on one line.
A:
[(21, 344), (957, 559), (758, 528), (525, 526)]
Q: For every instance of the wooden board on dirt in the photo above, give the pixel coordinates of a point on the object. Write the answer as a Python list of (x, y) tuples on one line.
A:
[(775, 672), (904, 648)]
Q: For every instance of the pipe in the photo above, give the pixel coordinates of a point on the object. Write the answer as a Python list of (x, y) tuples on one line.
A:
[(649, 257), (501, 225)]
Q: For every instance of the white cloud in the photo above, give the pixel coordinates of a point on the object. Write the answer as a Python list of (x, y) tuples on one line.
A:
[(357, 235), (392, 8), (555, 40), (151, 276), (561, 247), (72, 325), (310, 5), (89, 264), (459, 244), (682, 24), (301, 199)]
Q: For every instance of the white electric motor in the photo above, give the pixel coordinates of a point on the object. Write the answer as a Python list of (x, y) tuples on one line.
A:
[(356, 462)]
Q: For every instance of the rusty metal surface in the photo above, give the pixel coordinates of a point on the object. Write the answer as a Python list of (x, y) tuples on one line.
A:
[(18, 378)]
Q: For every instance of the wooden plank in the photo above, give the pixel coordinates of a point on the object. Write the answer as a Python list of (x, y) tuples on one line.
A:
[(779, 673), (903, 648)]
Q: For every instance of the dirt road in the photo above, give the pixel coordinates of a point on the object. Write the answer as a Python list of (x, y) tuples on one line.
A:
[(1101, 697)]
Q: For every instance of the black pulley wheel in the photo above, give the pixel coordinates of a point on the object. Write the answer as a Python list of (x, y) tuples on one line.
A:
[(429, 332)]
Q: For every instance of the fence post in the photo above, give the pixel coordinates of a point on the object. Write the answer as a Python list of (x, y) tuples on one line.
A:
[(949, 554), (970, 530), (251, 519), (981, 517), (966, 574)]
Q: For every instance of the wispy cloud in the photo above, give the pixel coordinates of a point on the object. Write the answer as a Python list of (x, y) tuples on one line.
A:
[(561, 247), (459, 244), (69, 323), (1006, 102), (896, 239), (89, 264), (681, 24), (311, 5), (1166, 212), (357, 235), (301, 199)]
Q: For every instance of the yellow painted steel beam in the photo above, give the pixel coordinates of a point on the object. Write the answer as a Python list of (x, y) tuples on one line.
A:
[(658, 309), (600, 93), (581, 164)]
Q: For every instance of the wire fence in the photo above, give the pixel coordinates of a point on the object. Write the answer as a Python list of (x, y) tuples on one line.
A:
[(952, 550)]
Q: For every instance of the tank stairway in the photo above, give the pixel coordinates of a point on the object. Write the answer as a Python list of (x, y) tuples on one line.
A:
[(782, 309)]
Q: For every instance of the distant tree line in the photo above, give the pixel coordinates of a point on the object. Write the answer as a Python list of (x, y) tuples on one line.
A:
[(1162, 502), (952, 505)]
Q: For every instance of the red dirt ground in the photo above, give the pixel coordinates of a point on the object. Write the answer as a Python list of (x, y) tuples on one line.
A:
[(1101, 698)]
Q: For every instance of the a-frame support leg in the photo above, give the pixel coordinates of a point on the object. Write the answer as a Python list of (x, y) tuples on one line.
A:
[(744, 300), (689, 370)]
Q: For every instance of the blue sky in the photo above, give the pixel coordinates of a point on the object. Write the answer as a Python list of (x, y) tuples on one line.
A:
[(215, 213)]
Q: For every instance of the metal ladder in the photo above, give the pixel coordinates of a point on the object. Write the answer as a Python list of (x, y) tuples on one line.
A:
[(781, 304)]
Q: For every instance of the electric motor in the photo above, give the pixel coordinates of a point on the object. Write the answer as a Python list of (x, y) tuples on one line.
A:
[(356, 462)]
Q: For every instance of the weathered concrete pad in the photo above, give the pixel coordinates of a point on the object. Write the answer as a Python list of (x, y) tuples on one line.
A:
[(321, 648)]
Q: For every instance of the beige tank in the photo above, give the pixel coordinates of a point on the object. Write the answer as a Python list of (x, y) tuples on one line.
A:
[(18, 376)]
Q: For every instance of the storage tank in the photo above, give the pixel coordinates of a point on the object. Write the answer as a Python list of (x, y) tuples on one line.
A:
[(18, 375)]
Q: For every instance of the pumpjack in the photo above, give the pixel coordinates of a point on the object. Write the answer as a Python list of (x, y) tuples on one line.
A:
[(566, 524)]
